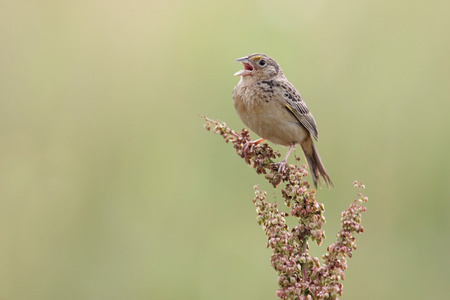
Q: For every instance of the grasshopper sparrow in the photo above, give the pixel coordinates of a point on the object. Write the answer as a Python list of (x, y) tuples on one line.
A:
[(271, 107)]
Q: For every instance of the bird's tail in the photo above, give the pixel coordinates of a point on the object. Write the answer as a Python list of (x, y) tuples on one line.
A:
[(315, 163)]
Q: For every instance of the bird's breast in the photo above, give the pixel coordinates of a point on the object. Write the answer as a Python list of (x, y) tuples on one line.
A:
[(265, 114)]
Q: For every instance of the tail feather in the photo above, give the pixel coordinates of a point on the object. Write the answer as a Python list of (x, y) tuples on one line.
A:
[(315, 163)]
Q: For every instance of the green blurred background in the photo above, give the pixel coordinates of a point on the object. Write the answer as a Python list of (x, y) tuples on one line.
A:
[(111, 189)]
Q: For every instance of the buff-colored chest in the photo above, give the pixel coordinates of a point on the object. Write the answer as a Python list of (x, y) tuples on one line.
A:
[(263, 111)]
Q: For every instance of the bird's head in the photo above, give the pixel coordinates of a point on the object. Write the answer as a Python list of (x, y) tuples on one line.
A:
[(259, 67)]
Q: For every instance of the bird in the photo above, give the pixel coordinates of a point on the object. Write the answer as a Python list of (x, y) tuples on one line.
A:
[(270, 106)]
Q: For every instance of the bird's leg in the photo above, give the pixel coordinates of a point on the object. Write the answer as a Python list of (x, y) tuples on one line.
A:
[(251, 144), (282, 165)]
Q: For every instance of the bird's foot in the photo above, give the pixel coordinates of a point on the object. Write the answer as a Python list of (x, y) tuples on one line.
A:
[(250, 145), (281, 166), (283, 163)]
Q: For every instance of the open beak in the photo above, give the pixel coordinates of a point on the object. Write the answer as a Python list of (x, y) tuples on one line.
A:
[(248, 68)]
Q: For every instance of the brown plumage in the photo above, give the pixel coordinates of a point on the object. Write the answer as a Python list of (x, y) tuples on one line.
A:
[(271, 107)]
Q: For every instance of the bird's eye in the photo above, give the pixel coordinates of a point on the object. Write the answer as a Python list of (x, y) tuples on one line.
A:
[(262, 62)]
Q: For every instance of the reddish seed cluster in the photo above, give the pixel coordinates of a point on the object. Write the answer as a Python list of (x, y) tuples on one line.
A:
[(260, 156), (300, 276)]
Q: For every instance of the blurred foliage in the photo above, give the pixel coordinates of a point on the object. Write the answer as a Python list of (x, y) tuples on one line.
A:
[(111, 189)]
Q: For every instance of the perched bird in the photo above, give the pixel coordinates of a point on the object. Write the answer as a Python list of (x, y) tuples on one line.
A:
[(270, 106)]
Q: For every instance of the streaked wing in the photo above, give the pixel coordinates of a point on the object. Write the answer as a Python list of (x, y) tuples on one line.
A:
[(296, 105)]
